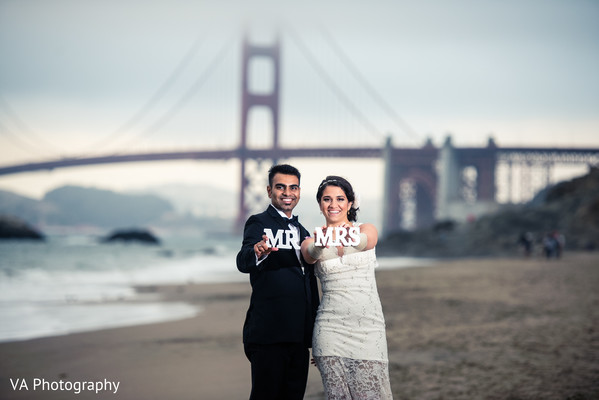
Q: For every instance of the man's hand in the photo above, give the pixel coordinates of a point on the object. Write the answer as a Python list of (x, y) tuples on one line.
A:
[(262, 248)]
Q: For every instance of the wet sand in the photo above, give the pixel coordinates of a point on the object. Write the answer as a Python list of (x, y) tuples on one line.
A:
[(463, 329)]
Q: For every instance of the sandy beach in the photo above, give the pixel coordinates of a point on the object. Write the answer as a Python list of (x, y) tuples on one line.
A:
[(462, 329)]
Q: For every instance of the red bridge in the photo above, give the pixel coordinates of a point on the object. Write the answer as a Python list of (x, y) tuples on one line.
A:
[(421, 184)]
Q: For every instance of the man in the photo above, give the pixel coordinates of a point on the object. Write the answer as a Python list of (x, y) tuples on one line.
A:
[(278, 328)]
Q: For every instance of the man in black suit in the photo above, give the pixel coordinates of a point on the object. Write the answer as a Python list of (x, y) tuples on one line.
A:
[(277, 332)]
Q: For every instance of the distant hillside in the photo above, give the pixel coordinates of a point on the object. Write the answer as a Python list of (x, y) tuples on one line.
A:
[(22, 207), (203, 201), (570, 207), (73, 205), (181, 209)]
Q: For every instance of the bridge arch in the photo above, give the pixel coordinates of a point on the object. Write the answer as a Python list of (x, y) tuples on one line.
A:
[(417, 193)]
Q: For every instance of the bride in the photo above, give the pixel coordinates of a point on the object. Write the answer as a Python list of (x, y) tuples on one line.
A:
[(349, 345)]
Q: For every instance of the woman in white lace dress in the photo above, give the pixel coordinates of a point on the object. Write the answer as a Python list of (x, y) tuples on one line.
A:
[(349, 345)]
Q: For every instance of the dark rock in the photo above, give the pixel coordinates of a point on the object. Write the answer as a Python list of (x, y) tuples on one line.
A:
[(444, 226), (132, 235), (14, 228)]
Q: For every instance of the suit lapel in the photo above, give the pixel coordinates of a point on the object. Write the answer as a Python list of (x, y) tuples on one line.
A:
[(277, 217)]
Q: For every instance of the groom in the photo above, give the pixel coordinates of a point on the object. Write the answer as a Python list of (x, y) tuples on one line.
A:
[(278, 327)]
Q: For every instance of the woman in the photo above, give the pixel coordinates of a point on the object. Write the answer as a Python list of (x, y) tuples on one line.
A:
[(349, 345)]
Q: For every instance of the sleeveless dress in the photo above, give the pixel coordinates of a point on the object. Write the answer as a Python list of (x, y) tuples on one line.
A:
[(349, 344)]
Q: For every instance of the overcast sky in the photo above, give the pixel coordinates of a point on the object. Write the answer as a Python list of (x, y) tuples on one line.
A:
[(93, 77)]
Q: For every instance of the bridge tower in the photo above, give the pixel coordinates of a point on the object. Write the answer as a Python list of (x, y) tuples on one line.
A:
[(467, 184), (449, 180), (410, 188), (252, 188)]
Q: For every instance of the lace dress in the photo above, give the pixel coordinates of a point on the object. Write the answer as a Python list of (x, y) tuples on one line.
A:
[(349, 345)]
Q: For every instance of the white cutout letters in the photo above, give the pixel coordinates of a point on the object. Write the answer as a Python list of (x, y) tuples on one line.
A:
[(283, 239), (343, 236)]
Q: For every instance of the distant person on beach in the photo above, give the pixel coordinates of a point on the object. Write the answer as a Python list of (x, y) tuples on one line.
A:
[(526, 241), (553, 244), (349, 344), (277, 332), (560, 241)]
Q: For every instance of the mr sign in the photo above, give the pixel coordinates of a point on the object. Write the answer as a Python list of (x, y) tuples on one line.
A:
[(283, 239)]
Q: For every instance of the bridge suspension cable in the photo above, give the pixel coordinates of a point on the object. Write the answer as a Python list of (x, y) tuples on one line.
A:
[(18, 142), (393, 115), (330, 82), (155, 98), (187, 96), (40, 146)]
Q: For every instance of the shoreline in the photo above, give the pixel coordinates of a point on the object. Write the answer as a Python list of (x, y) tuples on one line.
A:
[(461, 329), (125, 304)]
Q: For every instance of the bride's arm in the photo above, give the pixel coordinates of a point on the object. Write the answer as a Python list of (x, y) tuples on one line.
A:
[(371, 235), (308, 251)]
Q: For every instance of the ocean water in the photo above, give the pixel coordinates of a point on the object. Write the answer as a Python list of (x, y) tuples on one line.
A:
[(71, 284)]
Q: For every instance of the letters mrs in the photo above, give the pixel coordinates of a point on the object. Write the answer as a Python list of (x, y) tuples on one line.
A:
[(288, 239)]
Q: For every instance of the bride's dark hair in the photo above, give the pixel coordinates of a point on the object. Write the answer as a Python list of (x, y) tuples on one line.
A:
[(333, 180)]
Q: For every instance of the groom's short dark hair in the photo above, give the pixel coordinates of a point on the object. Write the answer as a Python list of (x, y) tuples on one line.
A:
[(284, 169)]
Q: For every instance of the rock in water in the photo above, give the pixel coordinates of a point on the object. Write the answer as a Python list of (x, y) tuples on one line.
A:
[(132, 235), (15, 228)]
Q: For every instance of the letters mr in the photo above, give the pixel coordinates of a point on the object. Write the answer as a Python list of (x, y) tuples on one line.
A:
[(283, 239)]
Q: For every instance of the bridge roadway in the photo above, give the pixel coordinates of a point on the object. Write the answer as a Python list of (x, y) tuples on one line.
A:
[(564, 155), (195, 155)]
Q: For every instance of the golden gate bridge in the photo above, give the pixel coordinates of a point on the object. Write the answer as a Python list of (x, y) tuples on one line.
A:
[(440, 183)]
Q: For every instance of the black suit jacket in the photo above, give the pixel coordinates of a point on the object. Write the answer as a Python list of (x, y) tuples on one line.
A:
[(284, 299)]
